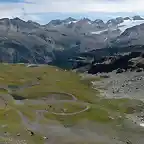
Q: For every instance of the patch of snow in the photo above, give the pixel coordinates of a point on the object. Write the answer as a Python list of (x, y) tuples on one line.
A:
[(19, 102), (72, 22), (110, 29), (122, 26), (142, 124), (89, 22), (99, 32), (105, 39), (128, 24)]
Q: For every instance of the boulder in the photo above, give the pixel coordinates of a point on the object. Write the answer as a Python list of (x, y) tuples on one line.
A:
[(31, 133), (119, 70), (18, 134), (139, 70)]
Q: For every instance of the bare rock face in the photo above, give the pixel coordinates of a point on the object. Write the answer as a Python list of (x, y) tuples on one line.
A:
[(137, 17), (112, 22), (99, 23), (120, 63), (120, 70), (120, 20), (126, 18), (18, 45)]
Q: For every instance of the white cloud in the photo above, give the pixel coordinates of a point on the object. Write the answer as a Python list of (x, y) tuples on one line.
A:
[(85, 5), (33, 7), (10, 9)]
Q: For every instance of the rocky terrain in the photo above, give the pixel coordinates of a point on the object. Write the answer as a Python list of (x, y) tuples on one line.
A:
[(122, 85)]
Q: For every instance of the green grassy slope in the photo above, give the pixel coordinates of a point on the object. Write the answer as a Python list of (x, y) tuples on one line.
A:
[(51, 79)]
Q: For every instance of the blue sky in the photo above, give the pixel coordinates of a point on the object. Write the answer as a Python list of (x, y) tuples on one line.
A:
[(44, 10), (11, 1)]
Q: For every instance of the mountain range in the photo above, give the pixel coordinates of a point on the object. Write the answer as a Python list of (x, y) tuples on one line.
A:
[(62, 41)]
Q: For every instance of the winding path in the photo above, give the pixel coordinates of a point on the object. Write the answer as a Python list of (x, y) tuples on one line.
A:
[(52, 98), (36, 126), (70, 114)]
